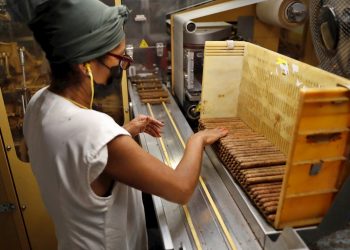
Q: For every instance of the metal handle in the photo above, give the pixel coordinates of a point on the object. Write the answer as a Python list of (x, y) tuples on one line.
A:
[(326, 137), (7, 207)]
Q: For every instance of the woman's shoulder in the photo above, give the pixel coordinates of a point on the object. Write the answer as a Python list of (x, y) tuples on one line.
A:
[(99, 121), (95, 116), (39, 94)]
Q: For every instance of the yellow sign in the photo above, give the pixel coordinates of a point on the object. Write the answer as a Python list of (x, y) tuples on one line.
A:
[(143, 44)]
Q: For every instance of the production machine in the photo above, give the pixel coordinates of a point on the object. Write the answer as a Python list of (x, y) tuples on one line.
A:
[(195, 36), (250, 22), (147, 39)]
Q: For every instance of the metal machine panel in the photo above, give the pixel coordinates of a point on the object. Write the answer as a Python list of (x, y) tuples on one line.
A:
[(148, 19), (147, 37), (183, 18)]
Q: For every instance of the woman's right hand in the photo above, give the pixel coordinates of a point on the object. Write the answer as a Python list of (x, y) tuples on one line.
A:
[(209, 136)]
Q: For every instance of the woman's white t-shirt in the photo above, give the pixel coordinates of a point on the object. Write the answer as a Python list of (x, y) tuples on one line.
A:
[(67, 148)]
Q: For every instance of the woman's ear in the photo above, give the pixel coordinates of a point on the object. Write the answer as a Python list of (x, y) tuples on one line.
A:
[(85, 68)]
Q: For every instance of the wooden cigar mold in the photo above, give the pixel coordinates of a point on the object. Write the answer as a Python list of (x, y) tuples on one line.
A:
[(256, 164)]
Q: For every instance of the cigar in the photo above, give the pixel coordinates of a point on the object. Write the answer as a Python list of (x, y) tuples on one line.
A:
[(265, 191), (149, 84), (270, 207), (263, 174), (156, 101), (154, 94), (262, 186), (149, 90), (269, 204), (260, 196), (271, 217), (262, 163), (267, 199), (271, 178), (263, 169)]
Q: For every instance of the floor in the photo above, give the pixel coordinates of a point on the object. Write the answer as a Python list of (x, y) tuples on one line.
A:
[(339, 240)]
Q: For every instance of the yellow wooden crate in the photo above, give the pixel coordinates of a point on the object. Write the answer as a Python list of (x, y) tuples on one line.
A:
[(298, 107)]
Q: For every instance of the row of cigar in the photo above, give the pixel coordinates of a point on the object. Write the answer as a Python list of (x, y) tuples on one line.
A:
[(152, 92), (140, 79), (254, 162)]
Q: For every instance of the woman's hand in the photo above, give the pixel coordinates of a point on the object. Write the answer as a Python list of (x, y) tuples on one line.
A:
[(144, 123), (209, 136)]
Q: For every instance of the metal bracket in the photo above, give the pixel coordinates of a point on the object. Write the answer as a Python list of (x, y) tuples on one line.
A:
[(288, 239), (326, 137), (230, 44), (7, 207), (315, 168)]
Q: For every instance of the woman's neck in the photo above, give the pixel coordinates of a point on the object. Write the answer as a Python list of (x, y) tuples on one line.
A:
[(79, 93)]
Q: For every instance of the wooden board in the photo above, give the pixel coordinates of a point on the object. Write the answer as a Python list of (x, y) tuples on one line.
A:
[(221, 80), (316, 165)]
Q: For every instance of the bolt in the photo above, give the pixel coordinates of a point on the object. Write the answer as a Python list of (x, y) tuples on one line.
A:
[(23, 207), (8, 147), (296, 12)]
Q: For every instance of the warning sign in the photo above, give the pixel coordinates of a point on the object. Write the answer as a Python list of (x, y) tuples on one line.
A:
[(143, 44)]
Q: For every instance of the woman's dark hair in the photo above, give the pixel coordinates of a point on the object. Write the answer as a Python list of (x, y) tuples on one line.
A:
[(64, 75)]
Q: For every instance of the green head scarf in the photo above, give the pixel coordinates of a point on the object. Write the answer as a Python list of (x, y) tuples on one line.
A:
[(76, 31)]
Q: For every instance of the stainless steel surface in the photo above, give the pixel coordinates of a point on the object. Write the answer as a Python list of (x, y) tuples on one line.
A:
[(288, 239), (208, 31), (193, 71), (150, 144), (24, 80), (7, 207), (190, 27), (163, 227), (165, 211), (296, 12), (160, 49), (207, 227)]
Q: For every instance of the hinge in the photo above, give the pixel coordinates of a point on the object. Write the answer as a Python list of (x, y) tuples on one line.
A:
[(315, 168)]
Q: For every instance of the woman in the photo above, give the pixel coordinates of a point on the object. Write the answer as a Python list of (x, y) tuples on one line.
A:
[(89, 169)]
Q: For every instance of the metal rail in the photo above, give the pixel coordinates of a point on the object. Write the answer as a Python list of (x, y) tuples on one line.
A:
[(185, 208), (204, 186)]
